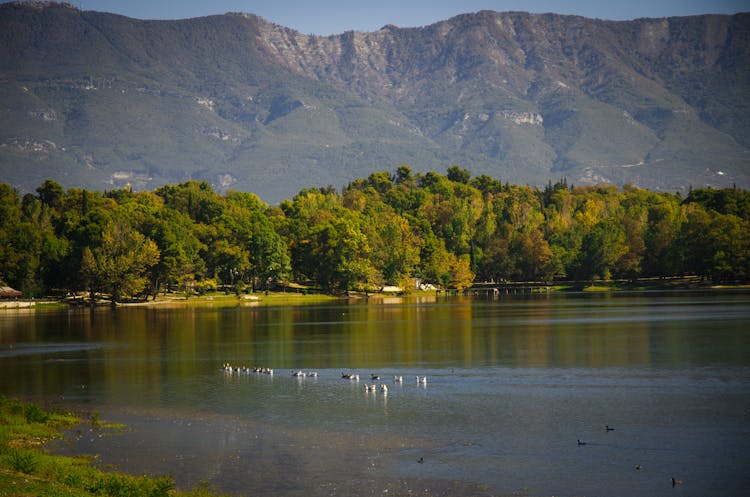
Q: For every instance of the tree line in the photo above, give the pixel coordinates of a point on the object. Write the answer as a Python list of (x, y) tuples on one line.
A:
[(387, 229)]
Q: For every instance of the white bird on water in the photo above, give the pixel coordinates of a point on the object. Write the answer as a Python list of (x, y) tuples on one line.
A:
[(422, 380)]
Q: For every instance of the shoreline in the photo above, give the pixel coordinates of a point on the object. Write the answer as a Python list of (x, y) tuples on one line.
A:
[(221, 299), (49, 459), (30, 465)]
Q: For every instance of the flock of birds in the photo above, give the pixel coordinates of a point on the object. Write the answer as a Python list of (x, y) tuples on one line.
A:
[(638, 467), (229, 369), (371, 388)]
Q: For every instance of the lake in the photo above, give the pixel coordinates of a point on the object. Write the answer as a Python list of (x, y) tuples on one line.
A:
[(513, 384)]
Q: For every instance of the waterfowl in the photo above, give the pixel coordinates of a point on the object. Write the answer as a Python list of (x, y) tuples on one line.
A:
[(374, 377), (676, 482), (398, 379), (422, 380), (638, 467), (313, 374), (384, 388), (298, 373), (581, 443), (608, 428), (369, 388)]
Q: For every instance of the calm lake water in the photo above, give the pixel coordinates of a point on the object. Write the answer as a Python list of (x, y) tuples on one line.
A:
[(512, 385)]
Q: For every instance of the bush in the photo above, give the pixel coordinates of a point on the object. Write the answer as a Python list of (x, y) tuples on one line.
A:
[(23, 461), (117, 485), (34, 414), (204, 286)]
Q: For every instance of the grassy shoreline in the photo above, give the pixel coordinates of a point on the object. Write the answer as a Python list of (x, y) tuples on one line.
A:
[(28, 469), (221, 299)]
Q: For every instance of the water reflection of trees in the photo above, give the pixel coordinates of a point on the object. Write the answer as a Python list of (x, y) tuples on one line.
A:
[(136, 352)]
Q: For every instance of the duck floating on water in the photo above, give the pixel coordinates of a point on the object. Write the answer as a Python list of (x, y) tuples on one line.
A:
[(228, 368)]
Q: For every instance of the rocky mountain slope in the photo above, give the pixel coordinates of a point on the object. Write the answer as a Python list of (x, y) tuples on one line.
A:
[(99, 100)]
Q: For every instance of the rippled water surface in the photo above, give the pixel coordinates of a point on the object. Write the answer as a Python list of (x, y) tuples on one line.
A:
[(512, 385)]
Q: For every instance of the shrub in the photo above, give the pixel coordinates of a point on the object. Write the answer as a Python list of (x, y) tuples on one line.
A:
[(117, 485), (34, 414), (23, 461)]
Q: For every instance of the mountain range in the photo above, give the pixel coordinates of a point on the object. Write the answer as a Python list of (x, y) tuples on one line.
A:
[(100, 101)]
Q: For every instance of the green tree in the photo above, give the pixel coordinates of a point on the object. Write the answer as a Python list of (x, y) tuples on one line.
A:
[(120, 265), (51, 193), (715, 246), (196, 199), (664, 220), (459, 175), (602, 246), (267, 251), (724, 201), (533, 256), (404, 176), (19, 243), (180, 250), (395, 247)]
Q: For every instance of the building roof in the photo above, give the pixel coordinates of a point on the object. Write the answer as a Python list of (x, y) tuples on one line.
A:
[(6, 291)]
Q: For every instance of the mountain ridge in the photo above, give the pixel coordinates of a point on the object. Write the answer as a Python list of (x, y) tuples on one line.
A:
[(100, 100)]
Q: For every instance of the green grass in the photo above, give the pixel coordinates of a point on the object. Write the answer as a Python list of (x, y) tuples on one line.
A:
[(643, 284), (601, 288), (221, 299), (26, 469)]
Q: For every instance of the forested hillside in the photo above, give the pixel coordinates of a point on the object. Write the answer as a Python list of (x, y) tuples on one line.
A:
[(384, 229)]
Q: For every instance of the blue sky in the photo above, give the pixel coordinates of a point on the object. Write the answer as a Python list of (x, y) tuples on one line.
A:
[(326, 17)]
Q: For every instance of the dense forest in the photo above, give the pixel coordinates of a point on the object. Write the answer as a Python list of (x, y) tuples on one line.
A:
[(387, 229)]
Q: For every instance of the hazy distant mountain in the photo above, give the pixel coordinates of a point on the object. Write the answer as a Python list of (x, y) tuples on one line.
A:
[(99, 100)]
